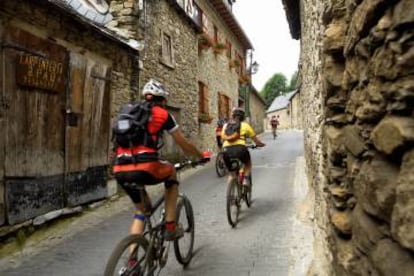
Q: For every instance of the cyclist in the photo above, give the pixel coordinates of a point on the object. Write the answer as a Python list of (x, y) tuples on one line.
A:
[(274, 122), (149, 168), (234, 146)]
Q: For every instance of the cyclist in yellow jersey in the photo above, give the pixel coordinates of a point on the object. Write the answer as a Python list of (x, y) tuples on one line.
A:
[(234, 135)]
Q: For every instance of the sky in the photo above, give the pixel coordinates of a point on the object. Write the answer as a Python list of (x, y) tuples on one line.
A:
[(265, 23)]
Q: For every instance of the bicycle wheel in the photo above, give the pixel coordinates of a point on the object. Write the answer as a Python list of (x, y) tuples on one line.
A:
[(183, 247), (233, 204), (129, 258), (220, 165), (248, 192)]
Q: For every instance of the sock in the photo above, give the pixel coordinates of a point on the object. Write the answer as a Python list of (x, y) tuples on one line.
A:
[(170, 225)]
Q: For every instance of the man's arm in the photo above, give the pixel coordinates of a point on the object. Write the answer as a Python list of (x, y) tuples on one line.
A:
[(187, 147)]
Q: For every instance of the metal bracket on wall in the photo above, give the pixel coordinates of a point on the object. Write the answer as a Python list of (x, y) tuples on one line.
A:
[(101, 78)]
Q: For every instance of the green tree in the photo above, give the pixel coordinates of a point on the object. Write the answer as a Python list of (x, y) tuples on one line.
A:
[(274, 87), (293, 81)]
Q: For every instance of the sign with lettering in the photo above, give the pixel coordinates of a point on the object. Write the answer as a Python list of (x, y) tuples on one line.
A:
[(38, 72)]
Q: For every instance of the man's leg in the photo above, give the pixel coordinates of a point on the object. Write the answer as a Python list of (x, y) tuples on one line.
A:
[(171, 195), (137, 226)]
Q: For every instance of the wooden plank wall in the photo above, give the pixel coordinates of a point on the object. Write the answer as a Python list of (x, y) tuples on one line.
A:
[(2, 135), (35, 118)]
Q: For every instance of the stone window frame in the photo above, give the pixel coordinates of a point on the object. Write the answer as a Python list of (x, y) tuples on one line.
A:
[(167, 58), (203, 98), (223, 105)]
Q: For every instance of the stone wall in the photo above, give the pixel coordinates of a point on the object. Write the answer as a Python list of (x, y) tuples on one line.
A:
[(359, 130), (179, 77), (312, 98), (215, 72), (295, 107), (257, 111)]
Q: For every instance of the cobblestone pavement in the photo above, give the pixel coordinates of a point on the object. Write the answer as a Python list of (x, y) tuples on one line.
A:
[(263, 243)]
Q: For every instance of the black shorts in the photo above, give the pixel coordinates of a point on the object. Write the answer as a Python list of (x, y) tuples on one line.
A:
[(219, 141), (145, 173), (235, 152)]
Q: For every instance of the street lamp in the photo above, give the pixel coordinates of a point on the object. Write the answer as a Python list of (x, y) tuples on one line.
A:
[(251, 70)]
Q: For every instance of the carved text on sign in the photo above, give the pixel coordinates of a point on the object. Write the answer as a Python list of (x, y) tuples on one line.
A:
[(38, 72)]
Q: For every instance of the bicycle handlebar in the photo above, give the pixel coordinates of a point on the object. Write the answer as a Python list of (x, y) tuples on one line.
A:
[(185, 163), (252, 146)]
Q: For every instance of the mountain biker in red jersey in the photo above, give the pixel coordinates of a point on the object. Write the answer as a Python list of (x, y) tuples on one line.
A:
[(149, 168)]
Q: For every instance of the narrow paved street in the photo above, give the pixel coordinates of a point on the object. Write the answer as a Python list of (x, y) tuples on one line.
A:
[(260, 245)]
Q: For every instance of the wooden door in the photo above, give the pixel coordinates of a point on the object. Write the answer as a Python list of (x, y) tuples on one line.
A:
[(87, 139), (35, 72)]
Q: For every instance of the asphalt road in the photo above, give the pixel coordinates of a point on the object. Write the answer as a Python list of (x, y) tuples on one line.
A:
[(261, 244)]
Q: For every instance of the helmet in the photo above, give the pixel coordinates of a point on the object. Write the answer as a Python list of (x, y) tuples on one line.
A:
[(155, 88), (239, 112)]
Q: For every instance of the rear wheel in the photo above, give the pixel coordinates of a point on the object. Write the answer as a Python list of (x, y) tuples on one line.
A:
[(233, 203), (183, 247), (220, 165), (130, 258), (248, 192)]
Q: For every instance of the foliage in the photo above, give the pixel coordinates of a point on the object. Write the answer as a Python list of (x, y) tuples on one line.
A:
[(293, 81), (274, 87)]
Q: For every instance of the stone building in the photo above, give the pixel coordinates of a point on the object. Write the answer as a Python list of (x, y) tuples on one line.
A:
[(257, 110), (62, 73), (357, 93), (197, 50), (287, 107)]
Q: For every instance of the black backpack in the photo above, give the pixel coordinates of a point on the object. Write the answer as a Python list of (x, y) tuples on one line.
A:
[(232, 131), (130, 128)]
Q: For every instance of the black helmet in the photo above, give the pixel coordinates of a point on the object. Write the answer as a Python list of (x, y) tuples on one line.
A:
[(238, 112)]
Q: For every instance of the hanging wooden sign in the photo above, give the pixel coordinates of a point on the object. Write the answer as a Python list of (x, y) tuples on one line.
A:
[(38, 72)]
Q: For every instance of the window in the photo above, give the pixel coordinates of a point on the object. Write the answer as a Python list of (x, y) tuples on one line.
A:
[(167, 55), (223, 105), (228, 48), (202, 98)]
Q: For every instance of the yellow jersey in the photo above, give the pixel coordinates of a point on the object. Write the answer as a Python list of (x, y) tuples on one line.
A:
[(246, 131)]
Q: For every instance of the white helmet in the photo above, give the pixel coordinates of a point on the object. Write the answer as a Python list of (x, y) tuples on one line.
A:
[(155, 88)]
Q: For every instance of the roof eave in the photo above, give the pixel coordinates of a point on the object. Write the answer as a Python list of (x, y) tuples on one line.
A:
[(292, 10), (227, 15), (129, 43)]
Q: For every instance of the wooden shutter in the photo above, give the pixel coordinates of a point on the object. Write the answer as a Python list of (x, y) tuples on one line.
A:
[(203, 98)]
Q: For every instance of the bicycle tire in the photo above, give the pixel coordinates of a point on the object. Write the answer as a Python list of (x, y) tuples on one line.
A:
[(248, 192), (221, 169), (232, 200), (185, 217), (121, 248)]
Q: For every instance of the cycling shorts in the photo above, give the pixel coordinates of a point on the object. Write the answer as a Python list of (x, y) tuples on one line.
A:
[(130, 177), (235, 152)]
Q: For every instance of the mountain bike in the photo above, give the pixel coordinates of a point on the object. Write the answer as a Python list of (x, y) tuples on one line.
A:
[(142, 255), (236, 191), (221, 168)]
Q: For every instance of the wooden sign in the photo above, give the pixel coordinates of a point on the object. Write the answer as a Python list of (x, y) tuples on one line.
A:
[(37, 72)]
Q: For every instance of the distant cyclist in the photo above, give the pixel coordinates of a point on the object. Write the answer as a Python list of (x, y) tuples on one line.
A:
[(234, 134), (274, 122), (147, 167)]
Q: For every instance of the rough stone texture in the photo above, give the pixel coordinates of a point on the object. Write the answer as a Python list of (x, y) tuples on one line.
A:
[(390, 259), (403, 214), (360, 107), (375, 187), (392, 133)]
